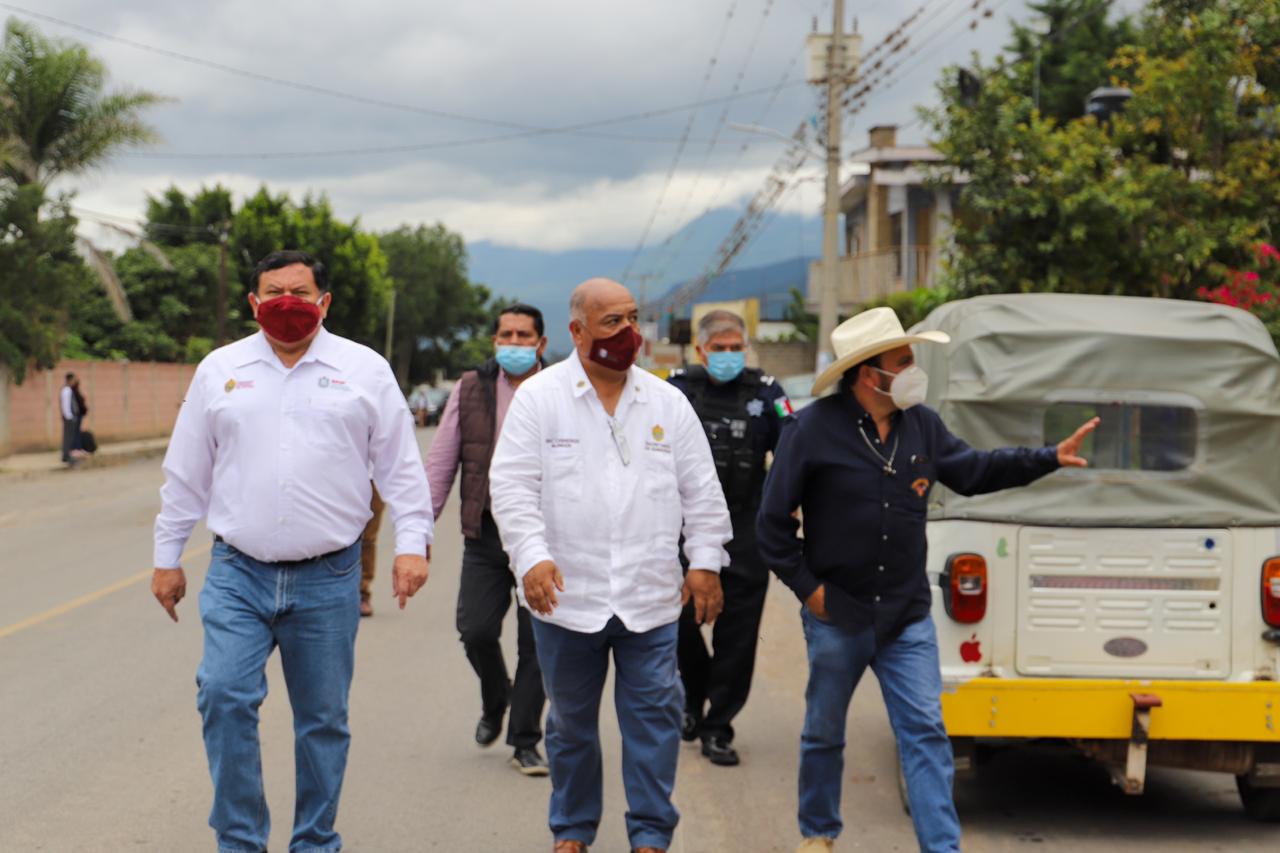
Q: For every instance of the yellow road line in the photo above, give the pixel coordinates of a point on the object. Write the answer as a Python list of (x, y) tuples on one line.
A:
[(89, 598)]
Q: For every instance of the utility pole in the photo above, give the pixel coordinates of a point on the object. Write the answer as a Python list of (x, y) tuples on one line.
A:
[(222, 284), (836, 69)]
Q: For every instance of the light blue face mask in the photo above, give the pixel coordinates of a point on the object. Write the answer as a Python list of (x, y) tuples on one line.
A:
[(517, 361), (725, 366)]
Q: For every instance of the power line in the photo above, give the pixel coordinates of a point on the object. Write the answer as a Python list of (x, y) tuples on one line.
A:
[(749, 224), (891, 43), (311, 88), (724, 113), (684, 137), (468, 141), (745, 228), (260, 77)]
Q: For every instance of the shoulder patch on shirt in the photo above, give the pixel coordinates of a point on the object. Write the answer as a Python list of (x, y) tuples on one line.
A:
[(783, 407), (230, 386)]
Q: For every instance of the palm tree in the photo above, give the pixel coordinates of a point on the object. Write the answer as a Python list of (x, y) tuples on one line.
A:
[(55, 117)]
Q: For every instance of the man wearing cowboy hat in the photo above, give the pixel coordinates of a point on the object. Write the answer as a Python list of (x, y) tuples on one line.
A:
[(859, 464)]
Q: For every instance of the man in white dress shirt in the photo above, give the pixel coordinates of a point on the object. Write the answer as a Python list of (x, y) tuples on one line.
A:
[(599, 469), (274, 444)]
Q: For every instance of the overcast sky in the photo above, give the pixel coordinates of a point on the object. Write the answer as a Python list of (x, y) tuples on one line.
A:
[(507, 65)]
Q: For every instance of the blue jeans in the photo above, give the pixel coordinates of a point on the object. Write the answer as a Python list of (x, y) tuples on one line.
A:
[(310, 609), (648, 697), (911, 682)]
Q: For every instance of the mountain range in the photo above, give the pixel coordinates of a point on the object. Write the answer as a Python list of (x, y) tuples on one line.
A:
[(776, 260)]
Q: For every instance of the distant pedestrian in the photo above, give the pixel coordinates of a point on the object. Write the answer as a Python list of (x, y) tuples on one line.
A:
[(860, 464), (466, 437), (72, 404), (274, 444), (369, 551), (599, 467), (742, 411)]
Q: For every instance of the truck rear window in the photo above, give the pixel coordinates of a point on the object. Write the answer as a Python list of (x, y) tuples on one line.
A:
[(1131, 437)]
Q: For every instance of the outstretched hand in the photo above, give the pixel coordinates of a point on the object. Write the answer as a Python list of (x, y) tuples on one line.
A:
[(1069, 450)]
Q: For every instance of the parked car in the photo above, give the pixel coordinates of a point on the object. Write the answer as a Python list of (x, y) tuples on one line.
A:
[(1130, 609), (434, 408)]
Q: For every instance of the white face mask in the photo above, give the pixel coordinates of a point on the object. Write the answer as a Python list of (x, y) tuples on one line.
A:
[(909, 387)]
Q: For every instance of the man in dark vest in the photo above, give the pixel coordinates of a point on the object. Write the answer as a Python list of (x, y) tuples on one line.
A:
[(742, 411), (467, 435)]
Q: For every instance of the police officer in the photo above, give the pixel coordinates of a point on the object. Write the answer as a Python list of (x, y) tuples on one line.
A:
[(742, 411)]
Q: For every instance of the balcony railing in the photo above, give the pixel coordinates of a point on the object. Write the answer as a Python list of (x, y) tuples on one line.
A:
[(869, 276)]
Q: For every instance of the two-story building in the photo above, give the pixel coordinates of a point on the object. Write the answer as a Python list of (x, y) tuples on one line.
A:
[(895, 223)]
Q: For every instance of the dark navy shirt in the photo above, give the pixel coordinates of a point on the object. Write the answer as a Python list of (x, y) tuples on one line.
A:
[(864, 529)]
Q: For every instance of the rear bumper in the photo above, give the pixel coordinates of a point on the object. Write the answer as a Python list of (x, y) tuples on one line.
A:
[(1089, 708)]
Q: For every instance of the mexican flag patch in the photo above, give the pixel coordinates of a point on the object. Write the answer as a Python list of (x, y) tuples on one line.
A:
[(783, 407)]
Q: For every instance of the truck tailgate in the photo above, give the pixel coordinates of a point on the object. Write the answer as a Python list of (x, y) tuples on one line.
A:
[(1124, 603)]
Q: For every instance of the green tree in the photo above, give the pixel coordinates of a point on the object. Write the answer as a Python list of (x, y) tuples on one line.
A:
[(438, 311), (799, 315), (55, 119), (40, 273), (1154, 202), (1067, 54), (172, 286), (357, 267)]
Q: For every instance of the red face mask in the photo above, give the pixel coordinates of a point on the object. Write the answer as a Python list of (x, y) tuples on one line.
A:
[(287, 318), (617, 352)]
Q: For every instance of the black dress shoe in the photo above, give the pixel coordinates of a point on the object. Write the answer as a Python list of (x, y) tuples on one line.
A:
[(689, 726), (529, 761), (720, 750), (487, 730)]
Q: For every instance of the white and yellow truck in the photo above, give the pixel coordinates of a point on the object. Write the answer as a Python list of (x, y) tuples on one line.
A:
[(1131, 609)]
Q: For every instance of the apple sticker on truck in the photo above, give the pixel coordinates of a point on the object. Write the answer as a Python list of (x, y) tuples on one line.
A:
[(971, 650)]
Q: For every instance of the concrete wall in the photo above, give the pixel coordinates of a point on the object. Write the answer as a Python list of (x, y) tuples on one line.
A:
[(785, 359), (126, 401)]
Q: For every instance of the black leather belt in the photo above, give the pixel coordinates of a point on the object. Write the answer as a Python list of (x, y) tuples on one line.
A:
[(218, 538)]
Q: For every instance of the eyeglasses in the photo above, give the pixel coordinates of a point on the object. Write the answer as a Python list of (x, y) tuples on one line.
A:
[(620, 441)]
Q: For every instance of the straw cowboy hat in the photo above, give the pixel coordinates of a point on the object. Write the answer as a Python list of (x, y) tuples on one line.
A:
[(869, 334)]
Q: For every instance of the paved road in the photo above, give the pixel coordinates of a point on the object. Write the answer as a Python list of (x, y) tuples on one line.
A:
[(100, 743)]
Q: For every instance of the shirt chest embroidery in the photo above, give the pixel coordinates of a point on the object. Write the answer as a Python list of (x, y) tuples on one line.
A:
[(659, 444)]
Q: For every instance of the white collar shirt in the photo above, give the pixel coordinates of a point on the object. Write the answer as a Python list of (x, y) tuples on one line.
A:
[(279, 459), (608, 511)]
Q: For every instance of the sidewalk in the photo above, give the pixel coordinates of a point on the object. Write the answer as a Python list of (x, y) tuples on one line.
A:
[(116, 453)]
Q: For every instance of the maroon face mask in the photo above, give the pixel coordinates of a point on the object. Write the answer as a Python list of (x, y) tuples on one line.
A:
[(617, 352), (287, 318)]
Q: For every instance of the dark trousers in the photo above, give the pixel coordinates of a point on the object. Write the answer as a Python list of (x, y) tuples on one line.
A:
[(483, 599), (717, 681), (70, 437)]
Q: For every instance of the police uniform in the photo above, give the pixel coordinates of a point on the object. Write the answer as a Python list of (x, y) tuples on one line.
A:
[(742, 419)]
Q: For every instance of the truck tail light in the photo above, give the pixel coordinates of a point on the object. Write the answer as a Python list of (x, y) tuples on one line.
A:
[(964, 587), (1271, 592)]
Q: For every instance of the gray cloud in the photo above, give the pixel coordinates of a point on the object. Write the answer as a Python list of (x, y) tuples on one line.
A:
[(550, 63)]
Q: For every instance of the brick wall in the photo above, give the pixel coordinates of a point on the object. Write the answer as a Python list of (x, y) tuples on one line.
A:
[(785, 359), (126, 401)]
